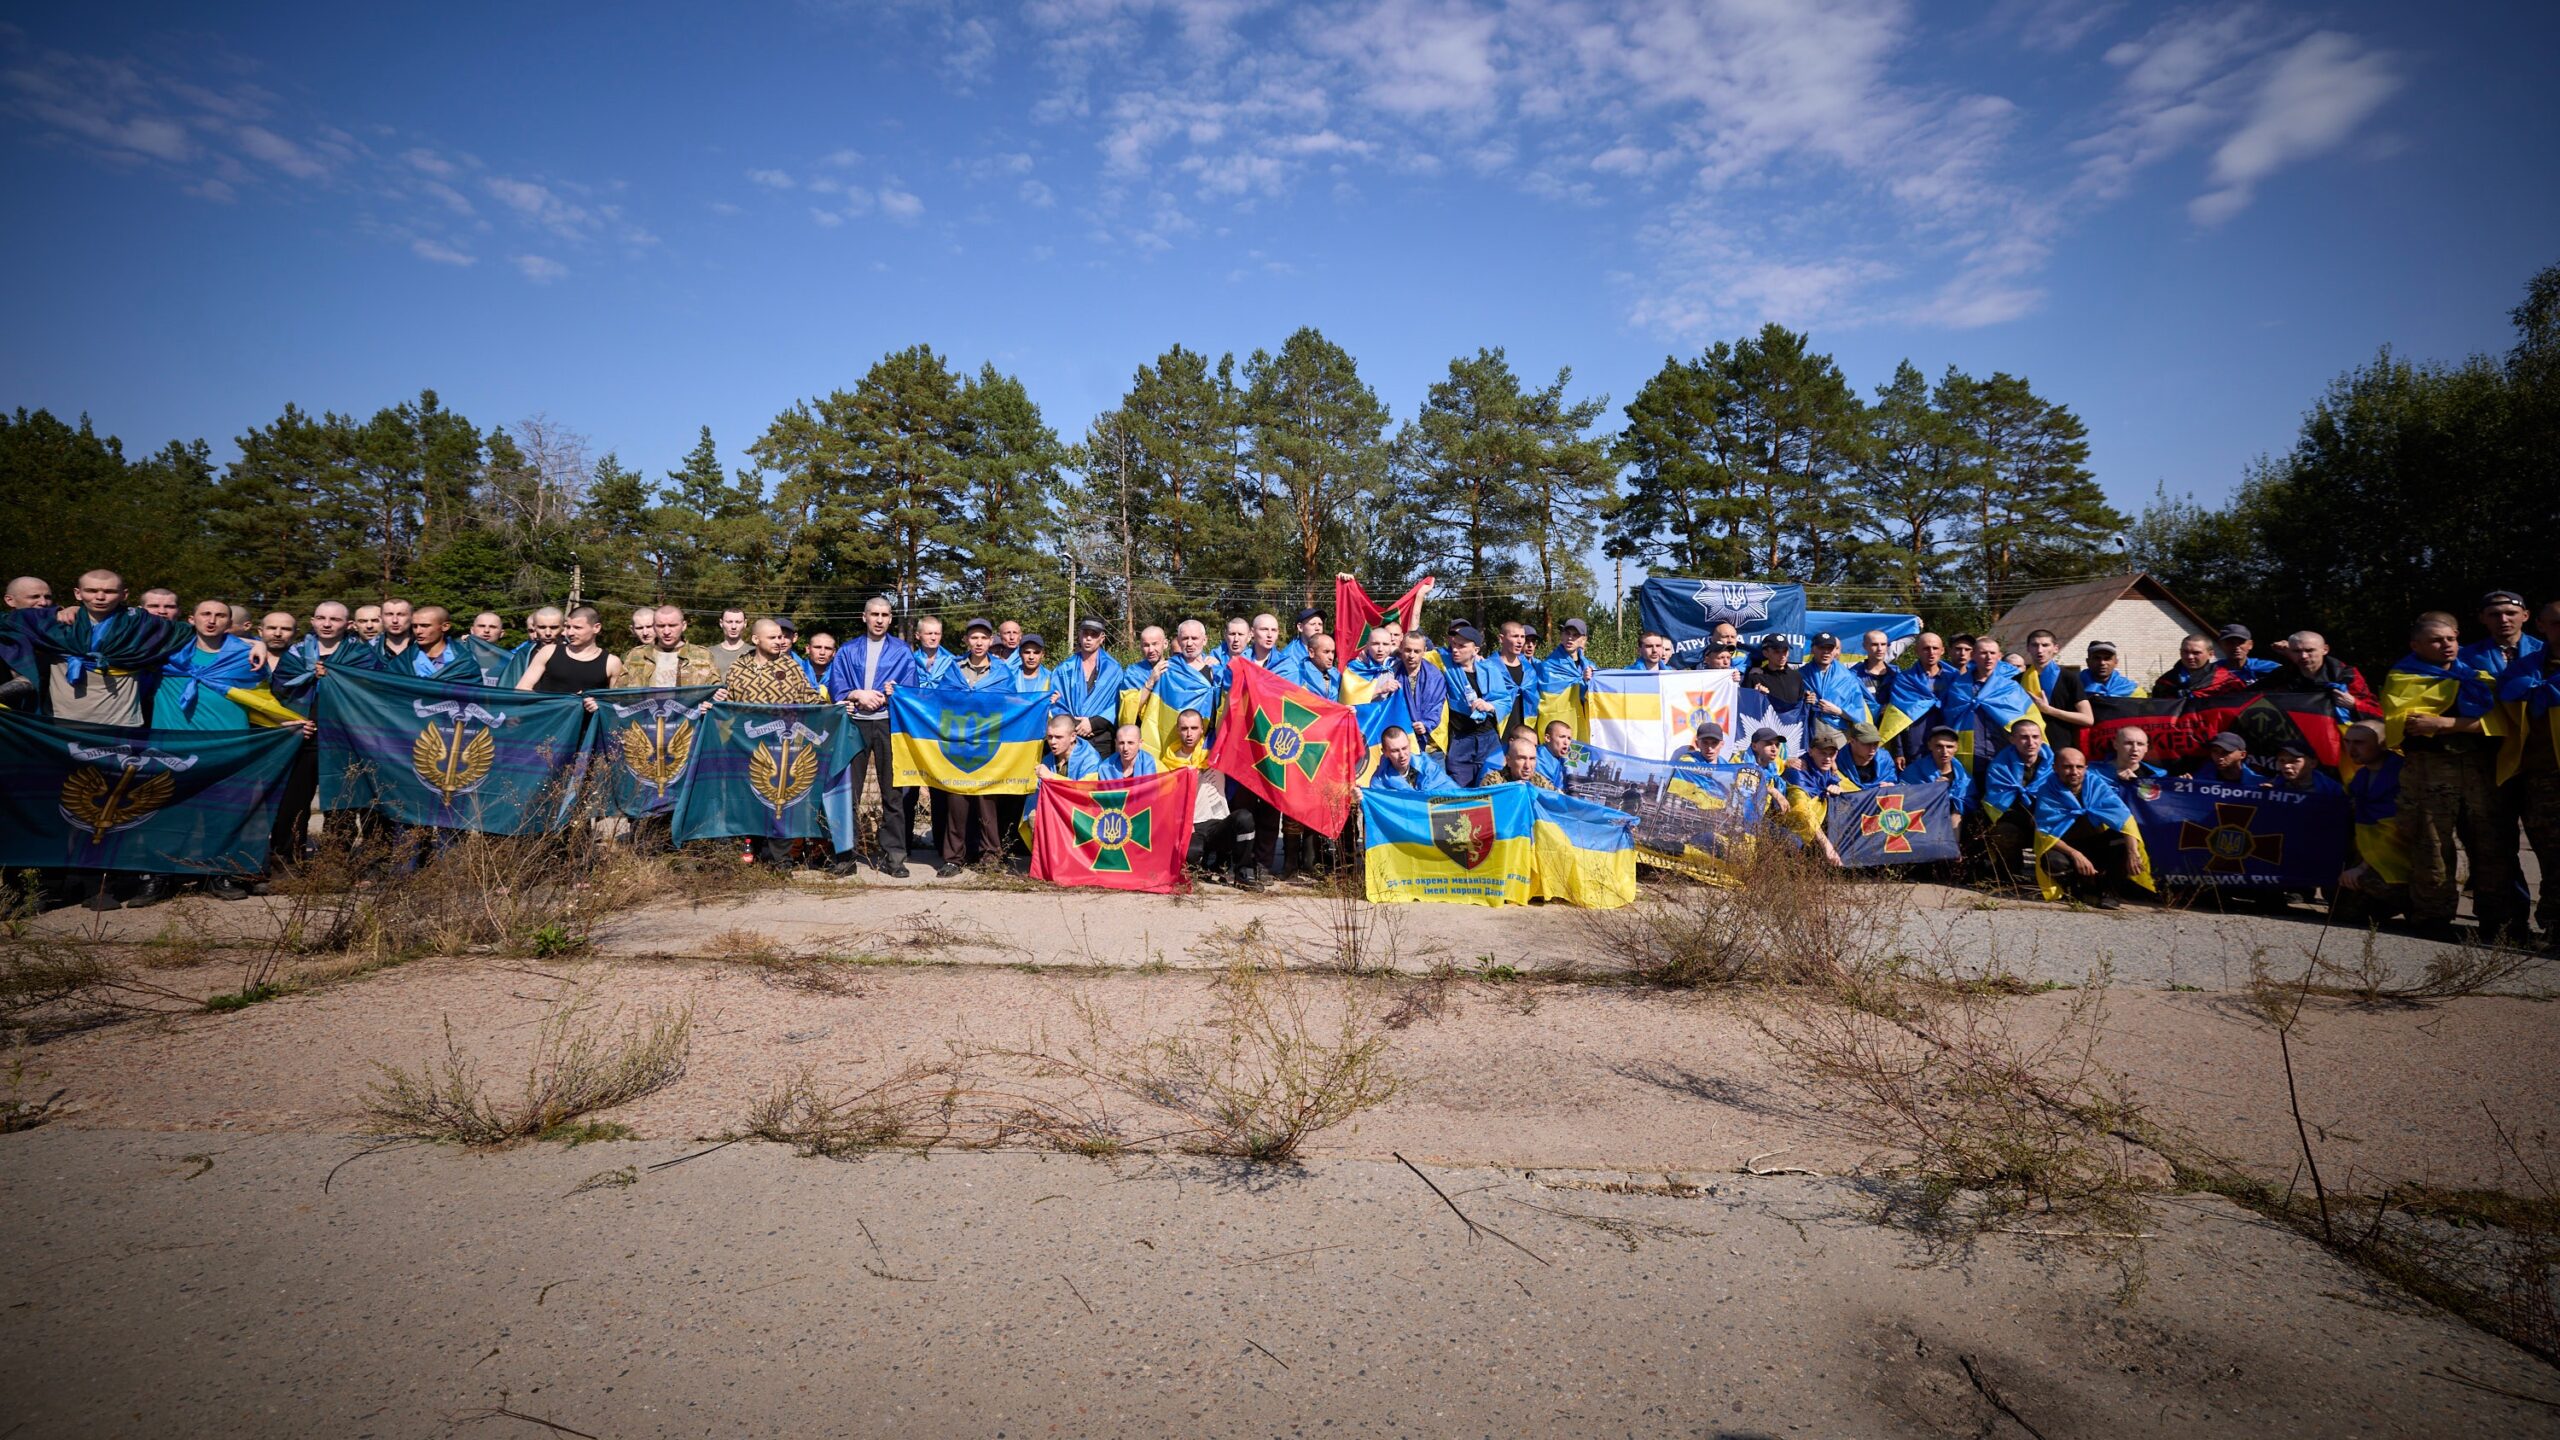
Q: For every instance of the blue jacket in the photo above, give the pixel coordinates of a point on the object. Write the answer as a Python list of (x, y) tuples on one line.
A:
[(1427, 776)]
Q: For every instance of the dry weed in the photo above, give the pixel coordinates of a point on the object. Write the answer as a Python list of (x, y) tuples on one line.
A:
[(581, 1064), (922, 1106), (1786, 918)]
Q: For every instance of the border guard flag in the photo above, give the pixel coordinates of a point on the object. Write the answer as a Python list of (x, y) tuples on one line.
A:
[(1581, 853), (1465, 847), (452, 756), (1115, 834), (1354, 612), (1893, 824), (645, 740), (779, 772), (1290, 746), (967, 742), (184, 802)]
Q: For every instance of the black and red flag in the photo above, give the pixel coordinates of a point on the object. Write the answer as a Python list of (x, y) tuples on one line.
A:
[(2183, 728)]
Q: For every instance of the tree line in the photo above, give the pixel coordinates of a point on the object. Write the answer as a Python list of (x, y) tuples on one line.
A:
[(1211, 487), (2412, 486)]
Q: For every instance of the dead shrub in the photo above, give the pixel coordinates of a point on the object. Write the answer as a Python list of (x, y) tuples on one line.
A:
[(1785, 917), (2453, 972), (52, 986), (581, 1064), (1258, 1077), (1985, 1126), (923, 1105)]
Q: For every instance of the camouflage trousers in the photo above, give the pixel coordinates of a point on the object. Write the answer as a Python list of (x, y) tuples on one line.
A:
[(2446, 800)]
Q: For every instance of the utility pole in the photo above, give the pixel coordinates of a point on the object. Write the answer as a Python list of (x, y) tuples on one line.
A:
[(577, 582)]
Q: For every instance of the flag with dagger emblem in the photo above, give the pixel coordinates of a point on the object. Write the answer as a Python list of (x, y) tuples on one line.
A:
[(783, 772), (192, 802), (643, 739), (457, 757)]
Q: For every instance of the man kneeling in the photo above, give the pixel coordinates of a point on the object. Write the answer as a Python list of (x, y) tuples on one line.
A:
[(2081, 820)]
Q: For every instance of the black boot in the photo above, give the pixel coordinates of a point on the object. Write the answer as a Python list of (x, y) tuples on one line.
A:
[(226, 887), (155, 888), (101, 894)]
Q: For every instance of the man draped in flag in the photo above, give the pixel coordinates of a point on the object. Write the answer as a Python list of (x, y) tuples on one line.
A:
[(2442, 715), (432, 655), (1155, 691), (2085, 837), (1089, 685), (1567, 673), (1911, 697), (2376, 886), (2009, 785), (1982, 701)]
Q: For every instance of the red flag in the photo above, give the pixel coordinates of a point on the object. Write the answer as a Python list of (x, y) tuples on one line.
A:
[(1116, 834), (1354, 612), (1290, 746), (2183, 728)]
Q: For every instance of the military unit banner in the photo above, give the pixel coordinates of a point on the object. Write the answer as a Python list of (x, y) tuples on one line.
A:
[(2203, 832), (1468, 847), (643, 739), (1115, 834), (166, 802), (1290, 746), (778, 772), (2183, 727), (456, 757), (1892, 824), (1688, 612), (967, 742)]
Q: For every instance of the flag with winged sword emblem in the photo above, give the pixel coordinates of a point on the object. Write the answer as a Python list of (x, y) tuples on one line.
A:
[(644, 739), (83, 797), (783, 772), (457, 757)]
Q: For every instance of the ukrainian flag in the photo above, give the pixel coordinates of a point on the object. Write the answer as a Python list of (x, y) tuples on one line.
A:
[(264, 710), (2099, 801), (967, 742), (1465, 847), (2464, 691), (1910, 697), (1560, 696), (1583, 854), (1154, 709)]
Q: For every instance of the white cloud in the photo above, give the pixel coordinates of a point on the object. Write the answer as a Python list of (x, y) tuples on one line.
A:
[(2314, 96), (537, 203), (429, 161), (440, 253), (899, 205), (723, 207), (1416, 57), (1036, 195), (827, 219), (772, 179), (841, 159), (539, 269), (260, 143)]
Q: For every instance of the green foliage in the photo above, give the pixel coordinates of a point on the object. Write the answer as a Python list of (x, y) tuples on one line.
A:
[(1319, 448), (2411, 487)]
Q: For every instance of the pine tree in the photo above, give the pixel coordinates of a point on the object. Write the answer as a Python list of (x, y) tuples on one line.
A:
[(1466, 460), (2033, 512), (1318, 445), (1913, 471), (1568, 479), (867, 477)]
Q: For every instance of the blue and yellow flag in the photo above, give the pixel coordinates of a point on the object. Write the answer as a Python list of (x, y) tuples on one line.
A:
[(1910, 697), (1582, 853), (1466, 847), (1154, 706), (186, 802), (2461, 690), (778, 772), (968, 742), (453, 756), (644, 738)]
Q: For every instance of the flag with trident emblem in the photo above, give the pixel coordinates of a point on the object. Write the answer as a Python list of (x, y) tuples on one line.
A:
[(784, 772), (457, 757)]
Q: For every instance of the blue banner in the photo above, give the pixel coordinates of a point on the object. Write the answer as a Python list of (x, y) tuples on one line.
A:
[(456, 757), (168, 802), (1892, 824), (782, 772), (1852, 628), (643, 739), (1688, 611), (2203, 832)]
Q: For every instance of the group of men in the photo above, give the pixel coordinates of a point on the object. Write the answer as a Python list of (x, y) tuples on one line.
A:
[(2455, 751)]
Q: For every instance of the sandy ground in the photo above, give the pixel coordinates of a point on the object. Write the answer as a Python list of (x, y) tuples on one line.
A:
[(740, 1292), (966, 919), (165, 1286)]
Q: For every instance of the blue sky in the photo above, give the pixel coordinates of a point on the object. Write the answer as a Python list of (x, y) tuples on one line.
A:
[(2180, 222)]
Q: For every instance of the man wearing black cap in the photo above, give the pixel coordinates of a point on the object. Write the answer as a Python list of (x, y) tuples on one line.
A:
[(2295, 771), (2103, 674), (1568, 667), (2227, 758), (2235, 642), (1308, 625), (1774, 677), (1838, 697), (1477, 704), (1705, 747), (1089, 686)]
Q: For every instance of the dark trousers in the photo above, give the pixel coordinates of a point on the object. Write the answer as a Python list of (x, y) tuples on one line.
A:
[(897, 807), (2108, 850), (1257, 823), (2502, 834), (1213, 845), (1468, 753), (293, 810), (2000, 842), (966, 827)]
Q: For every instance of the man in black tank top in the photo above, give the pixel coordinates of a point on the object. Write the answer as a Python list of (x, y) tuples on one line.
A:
[(575, 664)]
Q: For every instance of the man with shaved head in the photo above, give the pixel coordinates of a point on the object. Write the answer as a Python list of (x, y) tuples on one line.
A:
[(21, 676), (2312, 670), (393, 644), (30, 592), (2079, 826), (668, 660), (160, 600), (366, 623), (432, 653), (97, 667)]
